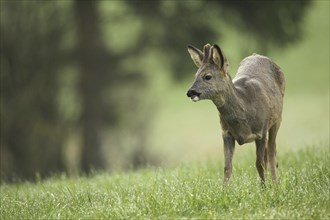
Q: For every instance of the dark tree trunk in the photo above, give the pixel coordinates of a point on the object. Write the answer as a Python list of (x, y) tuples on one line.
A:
[(92, 67)]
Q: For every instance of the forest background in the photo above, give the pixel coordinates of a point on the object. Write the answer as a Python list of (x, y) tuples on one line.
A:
[(100, 85)]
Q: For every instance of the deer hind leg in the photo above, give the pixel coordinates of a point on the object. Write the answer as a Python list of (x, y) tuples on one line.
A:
[(272, 150), (261, 145), (228, 148), (266, 157)]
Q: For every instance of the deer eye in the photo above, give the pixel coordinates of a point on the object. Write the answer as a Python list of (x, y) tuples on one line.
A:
[(208, 77)]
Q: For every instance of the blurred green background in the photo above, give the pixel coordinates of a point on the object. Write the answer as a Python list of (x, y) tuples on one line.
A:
[(100, 85)]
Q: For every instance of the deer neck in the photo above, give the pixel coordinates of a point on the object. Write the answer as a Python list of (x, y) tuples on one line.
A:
[(230, 105)]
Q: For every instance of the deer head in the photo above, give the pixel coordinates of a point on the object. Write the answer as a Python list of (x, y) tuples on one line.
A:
[(212, 78)]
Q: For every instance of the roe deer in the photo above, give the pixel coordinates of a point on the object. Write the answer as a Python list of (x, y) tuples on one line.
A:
[(249, 106)]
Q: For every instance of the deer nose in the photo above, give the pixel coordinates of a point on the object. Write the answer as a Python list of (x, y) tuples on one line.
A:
[(192, 93)]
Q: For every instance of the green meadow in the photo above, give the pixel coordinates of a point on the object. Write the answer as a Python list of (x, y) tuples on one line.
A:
[(186, 191)]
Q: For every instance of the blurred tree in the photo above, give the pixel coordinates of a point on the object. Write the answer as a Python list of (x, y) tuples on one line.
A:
[(95, 68), (104, 91), (271, 23), (31, 130)]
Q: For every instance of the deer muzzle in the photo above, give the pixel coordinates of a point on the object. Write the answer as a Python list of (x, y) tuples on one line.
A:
[(193, 95)]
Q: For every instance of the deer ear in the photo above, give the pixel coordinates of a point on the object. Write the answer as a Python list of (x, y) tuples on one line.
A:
[(196, 55), (219, 58)]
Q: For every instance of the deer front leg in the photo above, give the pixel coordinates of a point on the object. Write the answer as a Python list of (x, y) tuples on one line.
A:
[(272, 150), (260, 161), (228, 148)]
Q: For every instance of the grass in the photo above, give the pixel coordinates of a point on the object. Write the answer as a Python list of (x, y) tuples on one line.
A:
[(188, 191)]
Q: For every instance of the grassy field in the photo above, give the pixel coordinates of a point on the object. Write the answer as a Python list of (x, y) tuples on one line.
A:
[(190, 191)]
